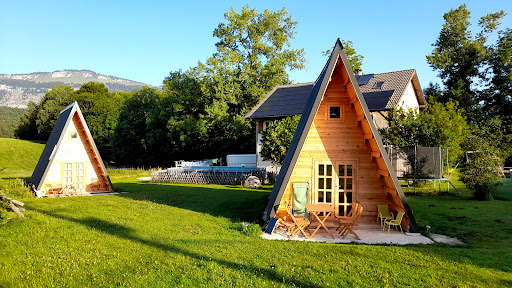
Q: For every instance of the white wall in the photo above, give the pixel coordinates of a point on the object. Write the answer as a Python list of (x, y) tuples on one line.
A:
[(409, 99)]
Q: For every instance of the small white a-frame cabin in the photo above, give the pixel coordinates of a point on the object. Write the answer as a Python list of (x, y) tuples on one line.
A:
[(70, 163)]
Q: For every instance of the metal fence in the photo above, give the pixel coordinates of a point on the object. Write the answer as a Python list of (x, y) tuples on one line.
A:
[(202, 176)]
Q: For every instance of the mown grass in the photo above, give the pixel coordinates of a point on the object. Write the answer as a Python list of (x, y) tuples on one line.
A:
[(168, 235), (188, 235), (18, 158), (504, 189)]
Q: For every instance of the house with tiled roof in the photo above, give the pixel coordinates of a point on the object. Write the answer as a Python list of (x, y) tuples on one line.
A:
[(382, 92)]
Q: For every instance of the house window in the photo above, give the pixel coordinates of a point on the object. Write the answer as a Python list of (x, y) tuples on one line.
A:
[(73, 135), (378, 85)]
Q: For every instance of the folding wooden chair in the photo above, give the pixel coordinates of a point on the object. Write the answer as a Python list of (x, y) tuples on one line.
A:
[(347, 226), (299, 223), (348, 217)]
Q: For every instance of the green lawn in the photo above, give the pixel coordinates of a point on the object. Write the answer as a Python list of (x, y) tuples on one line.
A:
[(504, 191), (166, 235)]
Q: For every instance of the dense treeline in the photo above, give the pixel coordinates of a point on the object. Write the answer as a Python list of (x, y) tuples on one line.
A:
[(200, 113), (9, 120), (100, 109)]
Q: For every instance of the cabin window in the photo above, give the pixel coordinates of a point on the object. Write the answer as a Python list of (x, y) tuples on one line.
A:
[(335, 112), (79, 175), (325, 185), (68, 173), (73, 135)]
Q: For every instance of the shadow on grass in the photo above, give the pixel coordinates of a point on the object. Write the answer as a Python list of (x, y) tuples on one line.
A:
[(127, 233), (231, 202)]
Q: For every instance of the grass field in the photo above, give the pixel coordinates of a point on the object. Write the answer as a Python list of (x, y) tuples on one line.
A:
[(504, 191), (166, 235)]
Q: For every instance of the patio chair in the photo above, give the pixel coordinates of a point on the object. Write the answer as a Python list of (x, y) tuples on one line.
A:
[(395, 222), (383, 214), (299, 223), (345, 218), (347, 226)]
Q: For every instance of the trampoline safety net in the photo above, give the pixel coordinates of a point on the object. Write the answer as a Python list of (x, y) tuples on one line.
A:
[(417, 162)]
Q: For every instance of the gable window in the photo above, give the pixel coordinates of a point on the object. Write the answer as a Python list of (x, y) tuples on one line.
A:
[(378, 85), (73, 135), (334, 112)]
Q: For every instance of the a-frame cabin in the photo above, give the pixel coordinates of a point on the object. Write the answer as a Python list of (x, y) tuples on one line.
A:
[(338, 150), (70, 162)]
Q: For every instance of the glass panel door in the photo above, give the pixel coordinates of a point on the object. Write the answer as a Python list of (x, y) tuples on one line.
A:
[(345, 193), (68, 173), (79, 175), (325, 183)]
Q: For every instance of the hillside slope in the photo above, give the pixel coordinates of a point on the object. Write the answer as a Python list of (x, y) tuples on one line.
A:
[(16, 90), (18, 158)]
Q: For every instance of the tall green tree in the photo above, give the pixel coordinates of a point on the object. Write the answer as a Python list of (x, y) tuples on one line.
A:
[(356, 60), (178, 121), (130, 140), (101, 111), (459, 55), (39, 119), (252, 57)]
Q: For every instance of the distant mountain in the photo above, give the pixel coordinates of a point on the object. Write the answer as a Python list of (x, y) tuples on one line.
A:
[(17, 90)]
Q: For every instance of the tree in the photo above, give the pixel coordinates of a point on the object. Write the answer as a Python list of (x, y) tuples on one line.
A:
[(480, 169), (276, 138), (99, 107), (252, 57), (459, 56), (130, 142), (356, 60), (38, 121), (441, 125), (101, 112), (178, 119)]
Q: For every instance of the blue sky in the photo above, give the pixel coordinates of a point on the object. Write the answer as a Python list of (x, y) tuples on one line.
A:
[(145, 40)]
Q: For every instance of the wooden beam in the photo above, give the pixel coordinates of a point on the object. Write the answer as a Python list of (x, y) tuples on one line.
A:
[(368, 135), (390, 190), (375, 154), (360, 117), (383, 172)]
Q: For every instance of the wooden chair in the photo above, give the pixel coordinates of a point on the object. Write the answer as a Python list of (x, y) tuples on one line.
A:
[(347, 226), (49, 190), (395, 222), (348, 217), (383, 214), (299, 223)]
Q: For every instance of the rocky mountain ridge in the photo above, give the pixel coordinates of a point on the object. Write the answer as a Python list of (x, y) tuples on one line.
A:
[(17, 90)]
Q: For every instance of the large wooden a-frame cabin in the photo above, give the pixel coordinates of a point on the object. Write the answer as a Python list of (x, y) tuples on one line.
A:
[(338, 150), (70, 162)]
